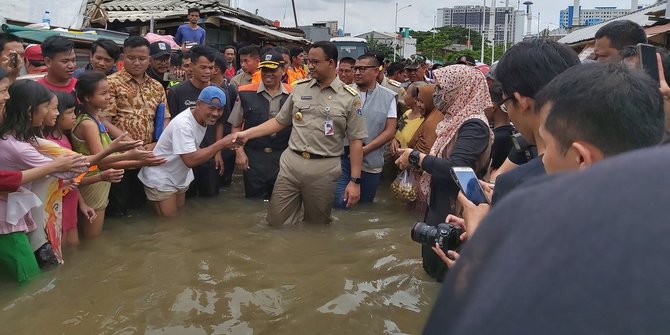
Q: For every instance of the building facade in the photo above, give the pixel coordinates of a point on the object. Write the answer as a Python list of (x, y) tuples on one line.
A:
[(478, 18), (590, 17)]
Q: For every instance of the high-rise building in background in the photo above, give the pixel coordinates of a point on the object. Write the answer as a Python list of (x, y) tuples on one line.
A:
[(590, 17), (471, 17)]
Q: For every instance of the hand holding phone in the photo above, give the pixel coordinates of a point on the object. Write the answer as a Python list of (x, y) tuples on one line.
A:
[(468, 182), (648, 61)]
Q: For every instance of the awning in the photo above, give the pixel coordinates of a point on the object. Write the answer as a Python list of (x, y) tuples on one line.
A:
[(39, 35), (267, 31), (655, 30)]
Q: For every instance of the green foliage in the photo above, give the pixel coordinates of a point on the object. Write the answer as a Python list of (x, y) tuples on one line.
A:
[(434, 45), (374, 45)]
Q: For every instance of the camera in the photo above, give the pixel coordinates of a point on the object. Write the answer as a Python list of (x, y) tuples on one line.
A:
[(447, 236)]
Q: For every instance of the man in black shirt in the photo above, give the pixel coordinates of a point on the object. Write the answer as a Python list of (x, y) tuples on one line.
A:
[(502, 128), (522, 72), (183, 97), (226, 157), (160, 62)]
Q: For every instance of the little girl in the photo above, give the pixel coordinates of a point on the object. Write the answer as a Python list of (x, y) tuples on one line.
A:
[(71, 199), (24, 114), (89, 136)]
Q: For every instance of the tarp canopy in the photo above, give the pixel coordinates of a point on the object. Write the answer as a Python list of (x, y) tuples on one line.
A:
[(39, 35)]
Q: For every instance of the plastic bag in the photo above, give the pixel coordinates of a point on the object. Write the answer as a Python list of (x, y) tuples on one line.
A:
[(403, 187)]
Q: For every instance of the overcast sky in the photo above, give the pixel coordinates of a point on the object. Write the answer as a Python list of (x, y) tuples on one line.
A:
[(366, 15)]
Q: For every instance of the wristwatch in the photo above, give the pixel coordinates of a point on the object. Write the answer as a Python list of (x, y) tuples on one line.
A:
[(414, 158), (356, 180)]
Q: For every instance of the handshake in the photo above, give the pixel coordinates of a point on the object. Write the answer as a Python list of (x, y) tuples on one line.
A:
[(233, 141)]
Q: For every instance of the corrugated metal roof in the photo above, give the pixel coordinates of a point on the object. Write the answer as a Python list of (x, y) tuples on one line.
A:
[(268, 31), (640, 17), (144, 10)]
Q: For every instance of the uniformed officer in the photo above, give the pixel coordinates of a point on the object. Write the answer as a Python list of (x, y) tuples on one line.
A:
[(321, 112), (257, 103)]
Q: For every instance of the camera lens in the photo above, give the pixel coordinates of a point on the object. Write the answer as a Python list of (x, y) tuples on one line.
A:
[(423, 233)]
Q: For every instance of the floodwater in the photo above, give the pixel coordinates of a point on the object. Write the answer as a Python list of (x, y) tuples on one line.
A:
[(219, 269)]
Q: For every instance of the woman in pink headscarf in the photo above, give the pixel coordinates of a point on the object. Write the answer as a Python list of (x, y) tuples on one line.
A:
[(463, 139)]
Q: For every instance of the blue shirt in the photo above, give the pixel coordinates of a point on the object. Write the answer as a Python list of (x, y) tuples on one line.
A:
[(187, 34)]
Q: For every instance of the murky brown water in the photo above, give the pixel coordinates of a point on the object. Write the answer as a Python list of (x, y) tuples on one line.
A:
[(219, 269)]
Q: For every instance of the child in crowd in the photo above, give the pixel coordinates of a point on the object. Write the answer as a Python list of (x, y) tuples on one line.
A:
[(89, 136), (23, 116), (58, 134)]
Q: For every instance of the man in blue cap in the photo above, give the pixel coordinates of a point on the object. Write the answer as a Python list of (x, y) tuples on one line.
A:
[(166, 185)]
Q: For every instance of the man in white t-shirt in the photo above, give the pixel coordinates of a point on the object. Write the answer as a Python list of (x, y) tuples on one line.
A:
[(166, 185)]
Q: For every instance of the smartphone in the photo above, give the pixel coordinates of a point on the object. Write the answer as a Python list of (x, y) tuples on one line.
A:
[(13, 60), (467, 180), (648, 62)]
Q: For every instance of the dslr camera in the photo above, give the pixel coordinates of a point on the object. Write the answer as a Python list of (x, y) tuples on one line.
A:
[(447, 236)]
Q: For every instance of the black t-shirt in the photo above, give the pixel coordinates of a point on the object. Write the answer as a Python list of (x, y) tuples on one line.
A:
[(581, 253), (158, 77), (502, 145), (508, 181), (183, 96)]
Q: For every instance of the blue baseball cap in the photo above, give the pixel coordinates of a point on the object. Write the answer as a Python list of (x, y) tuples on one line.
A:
[(210, 93)]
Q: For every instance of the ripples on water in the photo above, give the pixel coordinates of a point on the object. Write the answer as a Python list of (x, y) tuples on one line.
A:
[(219, 269)]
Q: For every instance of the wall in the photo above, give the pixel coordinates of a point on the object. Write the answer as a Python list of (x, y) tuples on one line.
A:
[(68, 14)]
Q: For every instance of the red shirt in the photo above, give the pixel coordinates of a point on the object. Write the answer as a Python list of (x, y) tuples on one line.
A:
[(69, 88), (10, 181)]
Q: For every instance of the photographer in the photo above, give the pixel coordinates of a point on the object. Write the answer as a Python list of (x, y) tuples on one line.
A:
[(463, 139), (586, 113)]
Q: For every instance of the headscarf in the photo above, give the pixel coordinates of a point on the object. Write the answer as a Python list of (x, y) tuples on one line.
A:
[(462, 93)]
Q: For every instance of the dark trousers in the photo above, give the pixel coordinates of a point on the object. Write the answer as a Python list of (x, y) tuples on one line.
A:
[(259, 180), (228, 157), (205, 182), (127, 194)]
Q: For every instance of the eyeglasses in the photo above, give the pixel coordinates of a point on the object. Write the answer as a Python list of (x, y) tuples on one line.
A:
[(502, 105), (362, 68)]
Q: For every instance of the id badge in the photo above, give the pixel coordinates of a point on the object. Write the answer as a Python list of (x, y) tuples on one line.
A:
[(328, 128)]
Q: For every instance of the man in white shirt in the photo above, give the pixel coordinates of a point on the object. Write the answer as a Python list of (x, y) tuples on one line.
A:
[(166, 185), (380, 112)]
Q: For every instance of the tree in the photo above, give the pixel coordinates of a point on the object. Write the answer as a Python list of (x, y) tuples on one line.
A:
[(435, 44), (374, 45)]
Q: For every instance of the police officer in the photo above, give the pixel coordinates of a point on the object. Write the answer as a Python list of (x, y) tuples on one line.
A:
[(321, 112), (257, 103)]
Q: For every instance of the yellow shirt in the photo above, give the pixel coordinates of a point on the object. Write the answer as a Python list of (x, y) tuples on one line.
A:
[(406, 132)]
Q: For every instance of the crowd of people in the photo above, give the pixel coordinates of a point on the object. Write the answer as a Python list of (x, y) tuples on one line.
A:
[(311, 132)]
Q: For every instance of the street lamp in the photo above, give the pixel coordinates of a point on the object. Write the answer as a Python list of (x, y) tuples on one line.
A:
[(395, 28)]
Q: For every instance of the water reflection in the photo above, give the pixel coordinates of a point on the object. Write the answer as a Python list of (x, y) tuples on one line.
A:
[(218, 269)]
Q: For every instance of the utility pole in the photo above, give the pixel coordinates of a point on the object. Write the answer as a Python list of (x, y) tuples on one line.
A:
[(295, 16), (344, 20), (492, 29), (507, 13), (483, 22)]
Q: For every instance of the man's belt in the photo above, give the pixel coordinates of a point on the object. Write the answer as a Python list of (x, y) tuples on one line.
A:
[(307, 155)]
